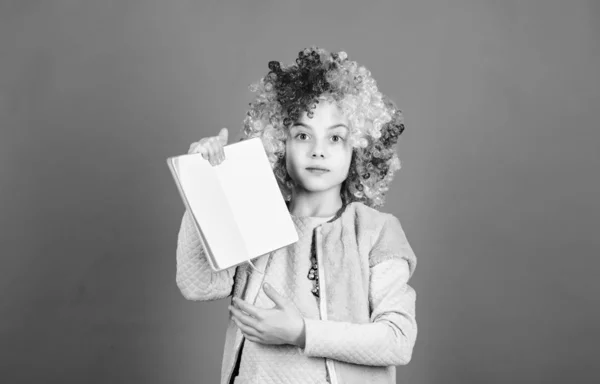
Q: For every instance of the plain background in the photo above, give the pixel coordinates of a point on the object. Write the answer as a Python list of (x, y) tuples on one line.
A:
[(498, 191)]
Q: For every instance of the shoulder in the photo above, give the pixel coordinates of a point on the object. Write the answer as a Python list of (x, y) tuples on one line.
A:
[(369, 224), (385, 234), (372, 220)]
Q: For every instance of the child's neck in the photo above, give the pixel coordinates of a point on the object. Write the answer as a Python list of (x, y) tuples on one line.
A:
[(302, 205)]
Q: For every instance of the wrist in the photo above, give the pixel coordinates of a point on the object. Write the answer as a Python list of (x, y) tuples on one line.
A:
[(301, 338)]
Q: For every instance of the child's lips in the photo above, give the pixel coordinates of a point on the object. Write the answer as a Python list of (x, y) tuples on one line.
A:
[(318, 171)]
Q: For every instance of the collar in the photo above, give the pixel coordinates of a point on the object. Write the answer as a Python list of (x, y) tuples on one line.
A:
[(337, 215)]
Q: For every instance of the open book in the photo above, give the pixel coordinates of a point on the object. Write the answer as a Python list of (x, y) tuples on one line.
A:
[(237, 205)]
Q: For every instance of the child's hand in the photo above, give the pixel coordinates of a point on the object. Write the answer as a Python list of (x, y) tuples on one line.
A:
[(282, 324), (211, 147)]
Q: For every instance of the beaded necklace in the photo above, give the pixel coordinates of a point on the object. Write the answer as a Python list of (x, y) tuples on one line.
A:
[(313, 272)]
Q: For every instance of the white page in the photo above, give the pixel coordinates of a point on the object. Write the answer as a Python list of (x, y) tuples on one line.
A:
[(209, 206), (255, 198)]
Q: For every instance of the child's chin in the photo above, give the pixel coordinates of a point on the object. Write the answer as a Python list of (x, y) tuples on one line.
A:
[(317, 186)]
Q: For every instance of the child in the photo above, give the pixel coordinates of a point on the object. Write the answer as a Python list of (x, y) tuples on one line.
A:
[(334, 307)]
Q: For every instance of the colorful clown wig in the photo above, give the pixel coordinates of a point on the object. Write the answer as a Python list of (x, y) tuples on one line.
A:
[(375, 123)]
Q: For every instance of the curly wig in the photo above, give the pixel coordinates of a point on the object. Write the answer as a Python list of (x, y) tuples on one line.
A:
[(375, 123)]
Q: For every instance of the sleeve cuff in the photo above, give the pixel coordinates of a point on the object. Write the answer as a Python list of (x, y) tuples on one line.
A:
[(315, 332)]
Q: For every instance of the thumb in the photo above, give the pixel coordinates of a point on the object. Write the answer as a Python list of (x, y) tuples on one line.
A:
[(223, 136)]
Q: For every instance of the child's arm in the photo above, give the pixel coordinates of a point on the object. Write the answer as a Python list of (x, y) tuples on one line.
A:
[(390, 336), (195, 278)]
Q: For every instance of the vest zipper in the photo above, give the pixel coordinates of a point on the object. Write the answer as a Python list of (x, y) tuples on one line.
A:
[(323, 299)]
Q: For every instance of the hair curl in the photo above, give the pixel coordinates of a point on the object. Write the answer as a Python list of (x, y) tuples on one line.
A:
[(375, 123)]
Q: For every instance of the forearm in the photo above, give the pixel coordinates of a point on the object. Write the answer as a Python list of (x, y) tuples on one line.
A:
[(389, 337), (195, 278), (388, 341)]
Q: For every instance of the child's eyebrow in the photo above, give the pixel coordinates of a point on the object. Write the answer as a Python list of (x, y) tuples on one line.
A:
[(309, 127)]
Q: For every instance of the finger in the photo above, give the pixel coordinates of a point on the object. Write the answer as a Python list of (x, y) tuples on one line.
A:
[(254, 338), (198, 147), (242, 317), (215, 147), (194, 147), (278, 299), (249, 308), (246, 330), (201, 149), (211, 152), (223, 136), (221, 150)]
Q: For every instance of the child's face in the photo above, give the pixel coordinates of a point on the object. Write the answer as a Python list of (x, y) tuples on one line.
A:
[(320, 141)]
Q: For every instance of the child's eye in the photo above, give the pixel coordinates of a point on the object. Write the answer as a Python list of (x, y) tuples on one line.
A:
[(302, 136)]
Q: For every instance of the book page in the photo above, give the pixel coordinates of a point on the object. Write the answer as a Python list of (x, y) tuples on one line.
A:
[(255, 199), (210, 208)]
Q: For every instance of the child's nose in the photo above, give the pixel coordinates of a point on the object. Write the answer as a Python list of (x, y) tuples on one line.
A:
[(318, 151)]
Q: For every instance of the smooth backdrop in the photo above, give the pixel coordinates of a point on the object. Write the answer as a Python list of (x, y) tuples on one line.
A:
[(498, 191)]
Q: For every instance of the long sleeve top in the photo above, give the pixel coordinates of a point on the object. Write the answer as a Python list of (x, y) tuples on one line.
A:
[(367, 324), (286, 270)]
